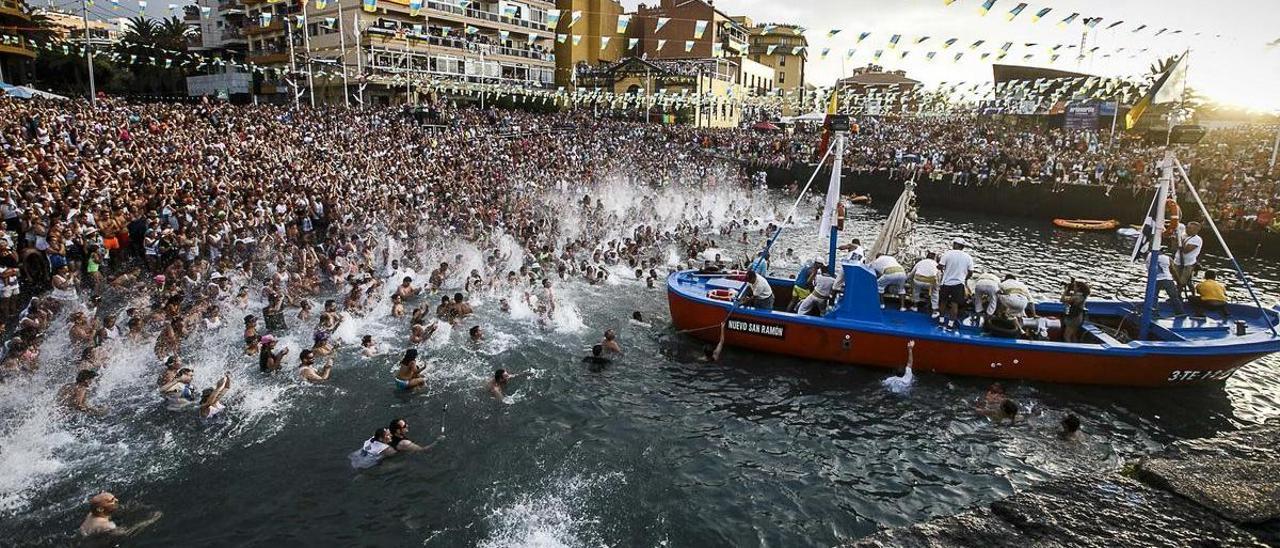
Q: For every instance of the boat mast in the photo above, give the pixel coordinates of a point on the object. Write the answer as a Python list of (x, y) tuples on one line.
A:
[(833, 199), (1153, 248)]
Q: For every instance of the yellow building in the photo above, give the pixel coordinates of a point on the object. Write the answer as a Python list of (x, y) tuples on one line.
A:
[(599, 21), (389, 51), (15, 51), (784, 49)]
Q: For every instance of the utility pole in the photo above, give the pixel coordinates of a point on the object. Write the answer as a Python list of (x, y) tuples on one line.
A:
[(293, 61), (88, 53), (1275, 149), (360, 77)]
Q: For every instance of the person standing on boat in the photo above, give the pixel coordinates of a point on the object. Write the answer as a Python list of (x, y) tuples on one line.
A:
[(957, 266), (1074, 296), (855, 249), (889, 275), (924, 279), (823, 286), (1166, 282), (1184, 262), (758, 291)]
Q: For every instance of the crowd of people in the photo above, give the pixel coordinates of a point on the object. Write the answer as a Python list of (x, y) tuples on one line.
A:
[(1231, 166), (150, 223)]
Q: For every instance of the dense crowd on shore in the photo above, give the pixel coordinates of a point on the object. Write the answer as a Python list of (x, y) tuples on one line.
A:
[(1231, 166)]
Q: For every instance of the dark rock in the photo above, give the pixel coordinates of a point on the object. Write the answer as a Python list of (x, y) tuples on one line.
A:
[(1255, 443), (1103, 512), (1241, 490)]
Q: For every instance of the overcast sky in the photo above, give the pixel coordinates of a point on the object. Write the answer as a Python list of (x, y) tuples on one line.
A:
[(1230, 60)]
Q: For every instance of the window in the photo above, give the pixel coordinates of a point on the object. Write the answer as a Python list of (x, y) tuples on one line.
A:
[(782, 60), (782, 77)]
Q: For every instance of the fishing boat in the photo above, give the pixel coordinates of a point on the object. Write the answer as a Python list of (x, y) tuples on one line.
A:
[(1086, 224), (1122, 343)]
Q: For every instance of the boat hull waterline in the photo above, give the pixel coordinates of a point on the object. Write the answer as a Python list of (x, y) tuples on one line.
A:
[(967, 352)]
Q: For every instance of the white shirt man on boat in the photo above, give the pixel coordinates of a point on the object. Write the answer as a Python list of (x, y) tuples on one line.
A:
[(1167, 283), (889, 275), (924, 278), (1015, 297), (855, 249), (1184, 261), (823, 287), (986, 294), (761, 294), (957, 266)]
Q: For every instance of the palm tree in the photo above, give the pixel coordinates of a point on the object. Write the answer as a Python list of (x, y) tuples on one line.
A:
[(172, 33), (140, 31)]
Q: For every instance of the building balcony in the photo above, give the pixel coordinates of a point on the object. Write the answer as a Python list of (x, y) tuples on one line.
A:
[(276, 25), (267, 57), (463, 46), (15, 45), (482, 15), (13, 8)]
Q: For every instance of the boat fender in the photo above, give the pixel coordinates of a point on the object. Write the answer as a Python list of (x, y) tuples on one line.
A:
[(848, 342), (720, 294)]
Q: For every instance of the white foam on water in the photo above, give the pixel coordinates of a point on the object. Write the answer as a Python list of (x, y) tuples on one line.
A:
[(559, 514)]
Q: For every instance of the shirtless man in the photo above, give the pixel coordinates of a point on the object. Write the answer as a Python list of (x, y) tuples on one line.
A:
[(76, 395), (406, 289), (409, 376), (610, 342), (98, 522), (307, 368), (498, 383)]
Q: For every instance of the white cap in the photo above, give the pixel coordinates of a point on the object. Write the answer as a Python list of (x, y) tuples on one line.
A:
[(960, 241)]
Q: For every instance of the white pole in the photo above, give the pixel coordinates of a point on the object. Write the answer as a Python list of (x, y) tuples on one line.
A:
[(342, 44), (306, 45), (293, 61), (1114, 114), (1274, 149), (355, 20), (88, 54)]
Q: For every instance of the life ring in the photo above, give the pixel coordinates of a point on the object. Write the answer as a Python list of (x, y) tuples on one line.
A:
[(1086, 224), (720, 295), (1173, 216), (860, 199), (736, 275)]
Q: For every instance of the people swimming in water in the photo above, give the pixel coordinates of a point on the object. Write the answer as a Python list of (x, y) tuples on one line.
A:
[(375, 449), (409, 375), (98, 522), (498, 384), (308, 371), (211, 406), (76, 395), (178, 394)]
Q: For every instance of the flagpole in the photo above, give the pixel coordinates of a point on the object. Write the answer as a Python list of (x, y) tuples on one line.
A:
[(293, 62), (306, 45), (88, 54), (355, 20), (1115, 113), (342, 44), (1275, 149)]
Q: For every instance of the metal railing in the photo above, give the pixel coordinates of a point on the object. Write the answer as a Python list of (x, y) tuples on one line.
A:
[(458, 43), (485, 15)]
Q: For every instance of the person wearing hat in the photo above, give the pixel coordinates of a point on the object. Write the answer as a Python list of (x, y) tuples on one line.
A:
[(956, 266), (268, 358), (320, 343)]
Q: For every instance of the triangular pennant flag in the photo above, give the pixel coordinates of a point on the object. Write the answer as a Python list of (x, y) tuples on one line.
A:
[(1043, 12), (688, 45), (661, 43), (632, 43), (796, 50), (577, 39), (415, 7), (699, 28), (921, 40), (832, 33), (863, 36), (769, 50), (504, 35), (624, 21), (976, 44), (1140, 27), (986, 6), (662, 22), (553, 19), (370, 5), (561, 38), (1016, 10), (849, 54), (604, 42), (949, 42), (574, 16), (823, 54), (930, 55), (893, 41), (1115, 24), (1069, 19)]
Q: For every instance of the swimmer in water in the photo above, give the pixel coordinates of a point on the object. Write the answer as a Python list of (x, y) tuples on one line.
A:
[(409, 375), (250, 335), (637, 319), (420, 331), (990, 403), (178, 394), (171, 367), (406, 289), (99, 522), (374, 450), (397, 306), (76, 395), (368, 348), (475, 333), (610, 342), (268, 358), (498, 384), (307, 368), (1070, 429), (596, 357), (400, 438), (320, 344), (211, 399)]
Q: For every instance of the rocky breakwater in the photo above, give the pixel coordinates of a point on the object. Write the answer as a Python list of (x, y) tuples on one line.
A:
[(1219, 491)]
